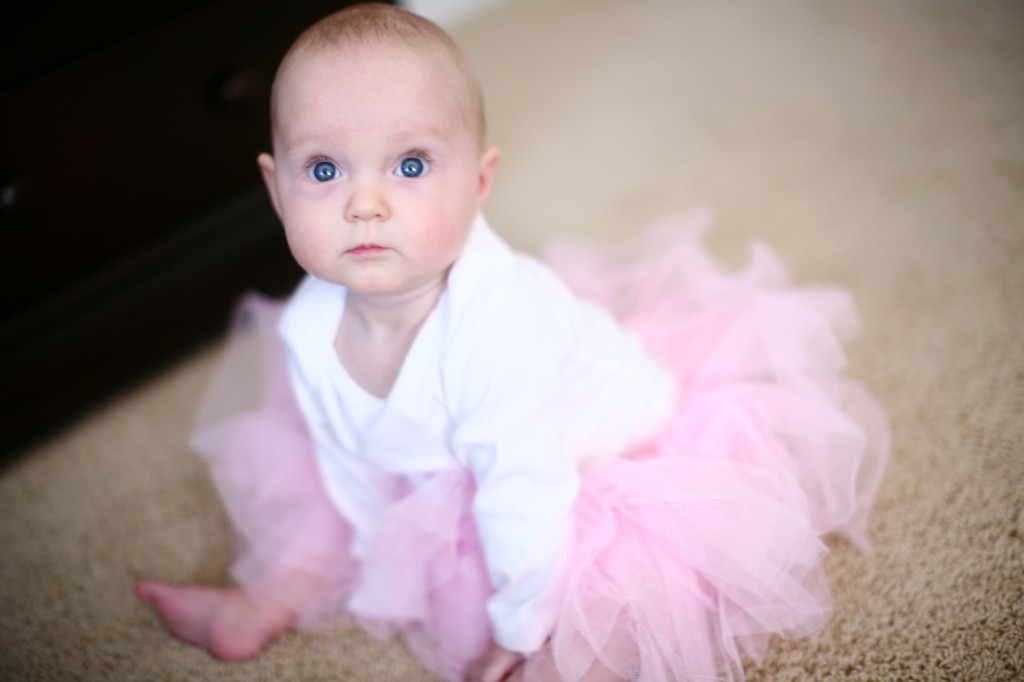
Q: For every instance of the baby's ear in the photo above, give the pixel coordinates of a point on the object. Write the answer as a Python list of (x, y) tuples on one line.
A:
[(266, 163), (488, 165)]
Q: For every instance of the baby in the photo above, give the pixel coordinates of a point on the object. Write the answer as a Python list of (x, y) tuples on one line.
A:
[(450, 444)]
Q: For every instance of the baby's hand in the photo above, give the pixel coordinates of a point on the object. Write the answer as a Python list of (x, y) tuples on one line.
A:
[(494, 665)]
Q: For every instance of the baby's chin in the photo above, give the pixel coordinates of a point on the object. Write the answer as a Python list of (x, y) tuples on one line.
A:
[(382, 285)]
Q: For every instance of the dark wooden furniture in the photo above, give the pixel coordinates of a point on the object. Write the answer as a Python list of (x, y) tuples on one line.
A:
[(131, 209)]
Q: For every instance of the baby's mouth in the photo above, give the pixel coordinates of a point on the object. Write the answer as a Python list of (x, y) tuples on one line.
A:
[(366, 250)]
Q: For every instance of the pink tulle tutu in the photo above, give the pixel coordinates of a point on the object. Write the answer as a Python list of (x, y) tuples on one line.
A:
[(689, 551)]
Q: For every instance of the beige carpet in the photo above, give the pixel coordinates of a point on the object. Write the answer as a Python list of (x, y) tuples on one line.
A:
[(876, 144)]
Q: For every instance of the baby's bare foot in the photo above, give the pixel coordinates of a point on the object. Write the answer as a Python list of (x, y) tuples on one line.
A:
[(228, 622)]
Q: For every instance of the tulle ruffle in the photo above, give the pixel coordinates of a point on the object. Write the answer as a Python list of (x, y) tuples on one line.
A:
[(689, 552)]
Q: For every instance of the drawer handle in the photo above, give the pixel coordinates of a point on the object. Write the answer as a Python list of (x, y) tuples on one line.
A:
[(19, 198), (236, 90)]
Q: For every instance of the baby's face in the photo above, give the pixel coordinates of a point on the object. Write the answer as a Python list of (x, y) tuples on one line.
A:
[(376, 174)]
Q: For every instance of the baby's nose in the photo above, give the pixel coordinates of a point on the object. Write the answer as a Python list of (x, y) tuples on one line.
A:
[(367, 202)]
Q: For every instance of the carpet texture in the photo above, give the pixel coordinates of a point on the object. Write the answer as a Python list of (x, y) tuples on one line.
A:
[(877, 145)]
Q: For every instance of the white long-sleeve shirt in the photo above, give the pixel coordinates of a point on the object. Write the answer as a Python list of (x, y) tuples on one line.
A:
[(511, 377)]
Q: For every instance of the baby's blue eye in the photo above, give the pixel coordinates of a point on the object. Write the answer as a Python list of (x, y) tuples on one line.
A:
[(323, 171), (412, 167)]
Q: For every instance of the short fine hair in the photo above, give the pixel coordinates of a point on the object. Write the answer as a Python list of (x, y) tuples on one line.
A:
[(372, 23)]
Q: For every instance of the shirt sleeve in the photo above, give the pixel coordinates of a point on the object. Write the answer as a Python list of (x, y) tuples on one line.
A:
[(509, 421)]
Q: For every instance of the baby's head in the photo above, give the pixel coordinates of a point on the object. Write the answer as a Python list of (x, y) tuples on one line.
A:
[(372, 25), (379, 166)]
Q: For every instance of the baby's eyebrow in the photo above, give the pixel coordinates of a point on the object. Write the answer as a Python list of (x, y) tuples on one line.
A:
[(307, 144), (309, 140), (419, 136)]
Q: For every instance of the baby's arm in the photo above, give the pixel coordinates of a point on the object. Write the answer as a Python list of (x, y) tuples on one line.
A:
[(509, 409)]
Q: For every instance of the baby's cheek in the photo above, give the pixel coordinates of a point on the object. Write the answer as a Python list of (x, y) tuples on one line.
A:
[(299, 253), (306, 246), (446, 237)]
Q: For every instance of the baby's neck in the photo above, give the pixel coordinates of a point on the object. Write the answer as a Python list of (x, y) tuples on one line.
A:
[(377, 331), (387, 316)]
